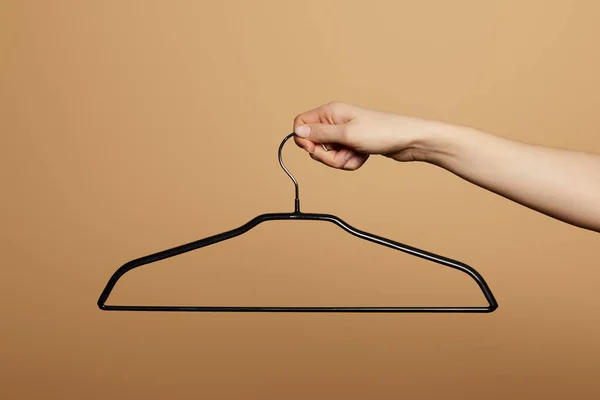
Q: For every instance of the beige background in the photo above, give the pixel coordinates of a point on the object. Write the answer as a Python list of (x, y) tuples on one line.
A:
[(130, 127)]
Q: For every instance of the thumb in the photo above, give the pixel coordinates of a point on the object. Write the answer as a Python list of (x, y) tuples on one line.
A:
[(322, 133)]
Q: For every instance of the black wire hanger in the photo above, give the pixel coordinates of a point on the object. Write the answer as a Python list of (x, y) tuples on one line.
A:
[(296, 215)]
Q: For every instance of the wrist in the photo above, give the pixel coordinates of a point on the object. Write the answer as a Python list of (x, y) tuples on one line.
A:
[(439, 143)]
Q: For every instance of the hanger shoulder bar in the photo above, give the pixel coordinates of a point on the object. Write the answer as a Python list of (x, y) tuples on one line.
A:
[(138, 262), (151, 258), (448, 262)]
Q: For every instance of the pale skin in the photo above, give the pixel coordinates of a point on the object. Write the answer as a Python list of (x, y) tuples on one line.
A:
[(562, 184)]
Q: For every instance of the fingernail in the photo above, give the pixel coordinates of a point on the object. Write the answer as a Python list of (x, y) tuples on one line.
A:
[(348, 155), (302, 131)]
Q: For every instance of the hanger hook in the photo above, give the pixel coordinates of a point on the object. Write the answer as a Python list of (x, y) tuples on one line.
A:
[(297, 200)]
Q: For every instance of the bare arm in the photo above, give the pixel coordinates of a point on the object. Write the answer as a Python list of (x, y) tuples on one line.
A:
[(562, 184)]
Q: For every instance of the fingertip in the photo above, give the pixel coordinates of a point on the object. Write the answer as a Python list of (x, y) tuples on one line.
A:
[(355, 163), (343, 155), (349, 154)]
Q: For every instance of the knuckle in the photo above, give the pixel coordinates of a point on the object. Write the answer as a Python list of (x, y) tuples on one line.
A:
[(298, 120), (335, 106), (346, 134)]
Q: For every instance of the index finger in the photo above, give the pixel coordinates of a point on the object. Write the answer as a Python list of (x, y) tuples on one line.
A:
[(334, 113)]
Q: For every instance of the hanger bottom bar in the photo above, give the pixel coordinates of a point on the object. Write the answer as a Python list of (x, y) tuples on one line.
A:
[(303, 309)]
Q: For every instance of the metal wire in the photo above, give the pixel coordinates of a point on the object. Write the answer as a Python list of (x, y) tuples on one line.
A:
[(297, 199)]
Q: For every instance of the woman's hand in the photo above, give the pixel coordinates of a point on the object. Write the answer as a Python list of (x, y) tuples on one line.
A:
[(350, 134), (563, 184)]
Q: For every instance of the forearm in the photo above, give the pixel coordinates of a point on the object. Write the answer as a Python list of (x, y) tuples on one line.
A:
[(560, 183)]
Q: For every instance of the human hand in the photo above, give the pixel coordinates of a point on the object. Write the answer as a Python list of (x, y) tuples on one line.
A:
[(351, 134)]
